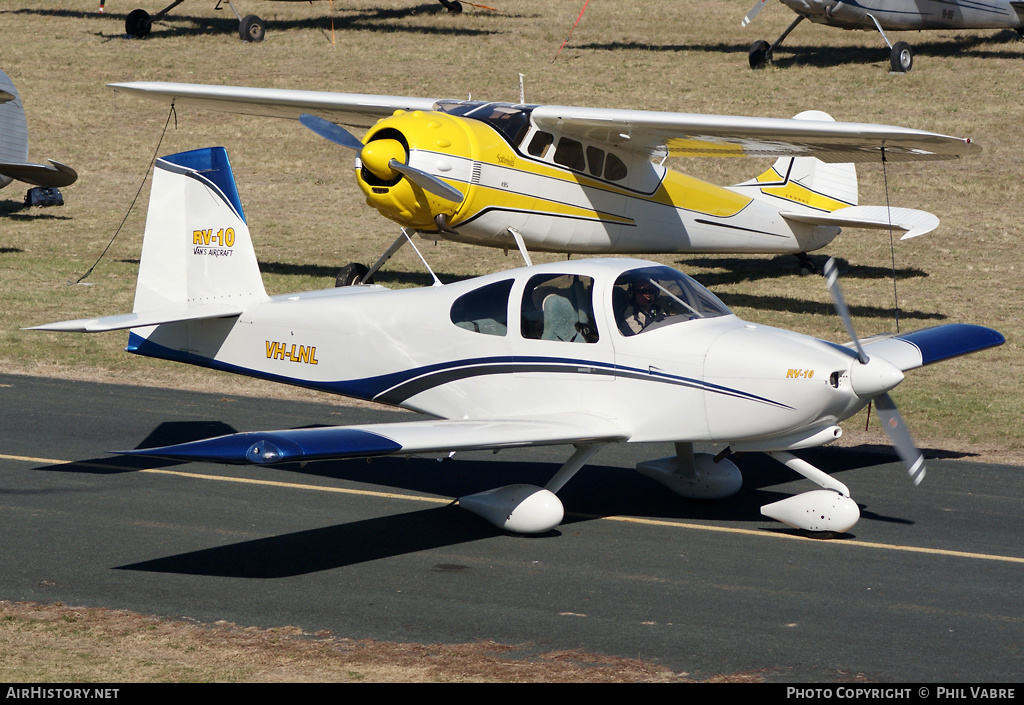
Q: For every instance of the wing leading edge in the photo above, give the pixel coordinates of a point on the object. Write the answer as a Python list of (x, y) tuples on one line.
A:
[(908, 351), (402, 438)]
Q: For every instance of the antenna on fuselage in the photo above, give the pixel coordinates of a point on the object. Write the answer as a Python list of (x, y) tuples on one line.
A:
[(522, 91)]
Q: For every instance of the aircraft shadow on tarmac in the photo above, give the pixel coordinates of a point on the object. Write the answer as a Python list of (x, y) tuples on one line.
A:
[(598, 491)]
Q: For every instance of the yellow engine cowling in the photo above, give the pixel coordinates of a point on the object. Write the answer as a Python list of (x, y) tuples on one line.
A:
[(391, 193)]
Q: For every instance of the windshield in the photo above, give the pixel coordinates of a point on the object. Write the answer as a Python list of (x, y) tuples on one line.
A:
[(512, 121), (653, 297)]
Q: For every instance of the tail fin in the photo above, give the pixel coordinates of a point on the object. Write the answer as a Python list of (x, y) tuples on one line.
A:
[(198, 261), (197, 248), (805, 181)]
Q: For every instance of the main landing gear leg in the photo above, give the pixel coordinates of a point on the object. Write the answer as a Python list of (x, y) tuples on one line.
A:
[(828, 510), (900, 56), (760, 54), (139, 22), (807, 265), (528, 509)]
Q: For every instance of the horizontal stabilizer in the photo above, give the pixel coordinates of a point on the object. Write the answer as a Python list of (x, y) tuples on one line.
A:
[(914, 222), (142, 320), (53, 176), (403, 438), (908, 351)]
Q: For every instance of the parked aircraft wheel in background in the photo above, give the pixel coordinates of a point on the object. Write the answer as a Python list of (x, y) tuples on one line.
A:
[(352, 274), (138, 24), (760, 54), (252, 29), (901, 59)]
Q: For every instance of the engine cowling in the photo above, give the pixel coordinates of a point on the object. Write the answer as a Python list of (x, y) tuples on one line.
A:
[(431, 142)]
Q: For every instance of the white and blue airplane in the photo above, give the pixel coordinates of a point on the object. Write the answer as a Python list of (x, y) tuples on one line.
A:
[(582, 353), (892, 15)]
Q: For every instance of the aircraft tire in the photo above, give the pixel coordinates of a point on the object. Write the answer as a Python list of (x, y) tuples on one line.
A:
[(901, 58), (138, 24), (760, 54), (252, 29), (453, 6), (351, 274)]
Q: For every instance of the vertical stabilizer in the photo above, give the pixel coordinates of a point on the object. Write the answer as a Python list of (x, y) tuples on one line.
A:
[(196, 249), (795, 182)]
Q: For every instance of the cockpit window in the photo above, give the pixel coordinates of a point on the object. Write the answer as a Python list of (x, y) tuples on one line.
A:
[(653, 297), (540, 143), (559, 307), (569, 153), (484, 310), (595, 160), (614, 168), (513, 121)]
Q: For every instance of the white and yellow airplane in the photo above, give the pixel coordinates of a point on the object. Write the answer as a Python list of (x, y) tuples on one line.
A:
[(582, 353), (882, 15), (588, 180)]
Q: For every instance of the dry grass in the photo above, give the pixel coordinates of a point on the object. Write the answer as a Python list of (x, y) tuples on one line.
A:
[(307, 215), (58, 644)]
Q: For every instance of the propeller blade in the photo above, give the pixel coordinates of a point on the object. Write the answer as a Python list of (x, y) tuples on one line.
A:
[(831, 272), (897, 431), (331, 132), (427, 182), (758, 6)]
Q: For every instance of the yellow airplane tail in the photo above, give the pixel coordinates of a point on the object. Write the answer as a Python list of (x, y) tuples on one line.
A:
[(805, 181)]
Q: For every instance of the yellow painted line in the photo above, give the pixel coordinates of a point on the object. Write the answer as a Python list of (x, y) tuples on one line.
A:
[(244, 480), (627, 520), (298, 486)]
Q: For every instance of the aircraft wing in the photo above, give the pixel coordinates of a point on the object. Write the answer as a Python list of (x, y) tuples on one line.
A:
[(402, 438), (908, 351), (653, 133), (353, 109), (695, 135)]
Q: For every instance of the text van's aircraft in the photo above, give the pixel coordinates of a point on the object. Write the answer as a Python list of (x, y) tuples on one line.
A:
[(882, 15), (585, 180), (251, 28), (585, 352), (14, 165)]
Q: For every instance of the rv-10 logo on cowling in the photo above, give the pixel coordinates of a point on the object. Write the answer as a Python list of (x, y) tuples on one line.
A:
[(223, 240)]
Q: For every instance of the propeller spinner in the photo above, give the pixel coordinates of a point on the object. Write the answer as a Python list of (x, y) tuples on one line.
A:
[(385, 158)]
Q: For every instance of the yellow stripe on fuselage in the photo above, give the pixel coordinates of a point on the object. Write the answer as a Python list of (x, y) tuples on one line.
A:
[(603, 200)]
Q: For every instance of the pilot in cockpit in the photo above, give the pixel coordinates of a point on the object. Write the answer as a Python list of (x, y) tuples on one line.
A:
[(642, 309)]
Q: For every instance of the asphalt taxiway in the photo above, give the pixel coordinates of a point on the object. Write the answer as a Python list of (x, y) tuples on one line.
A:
[(926, 588)]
